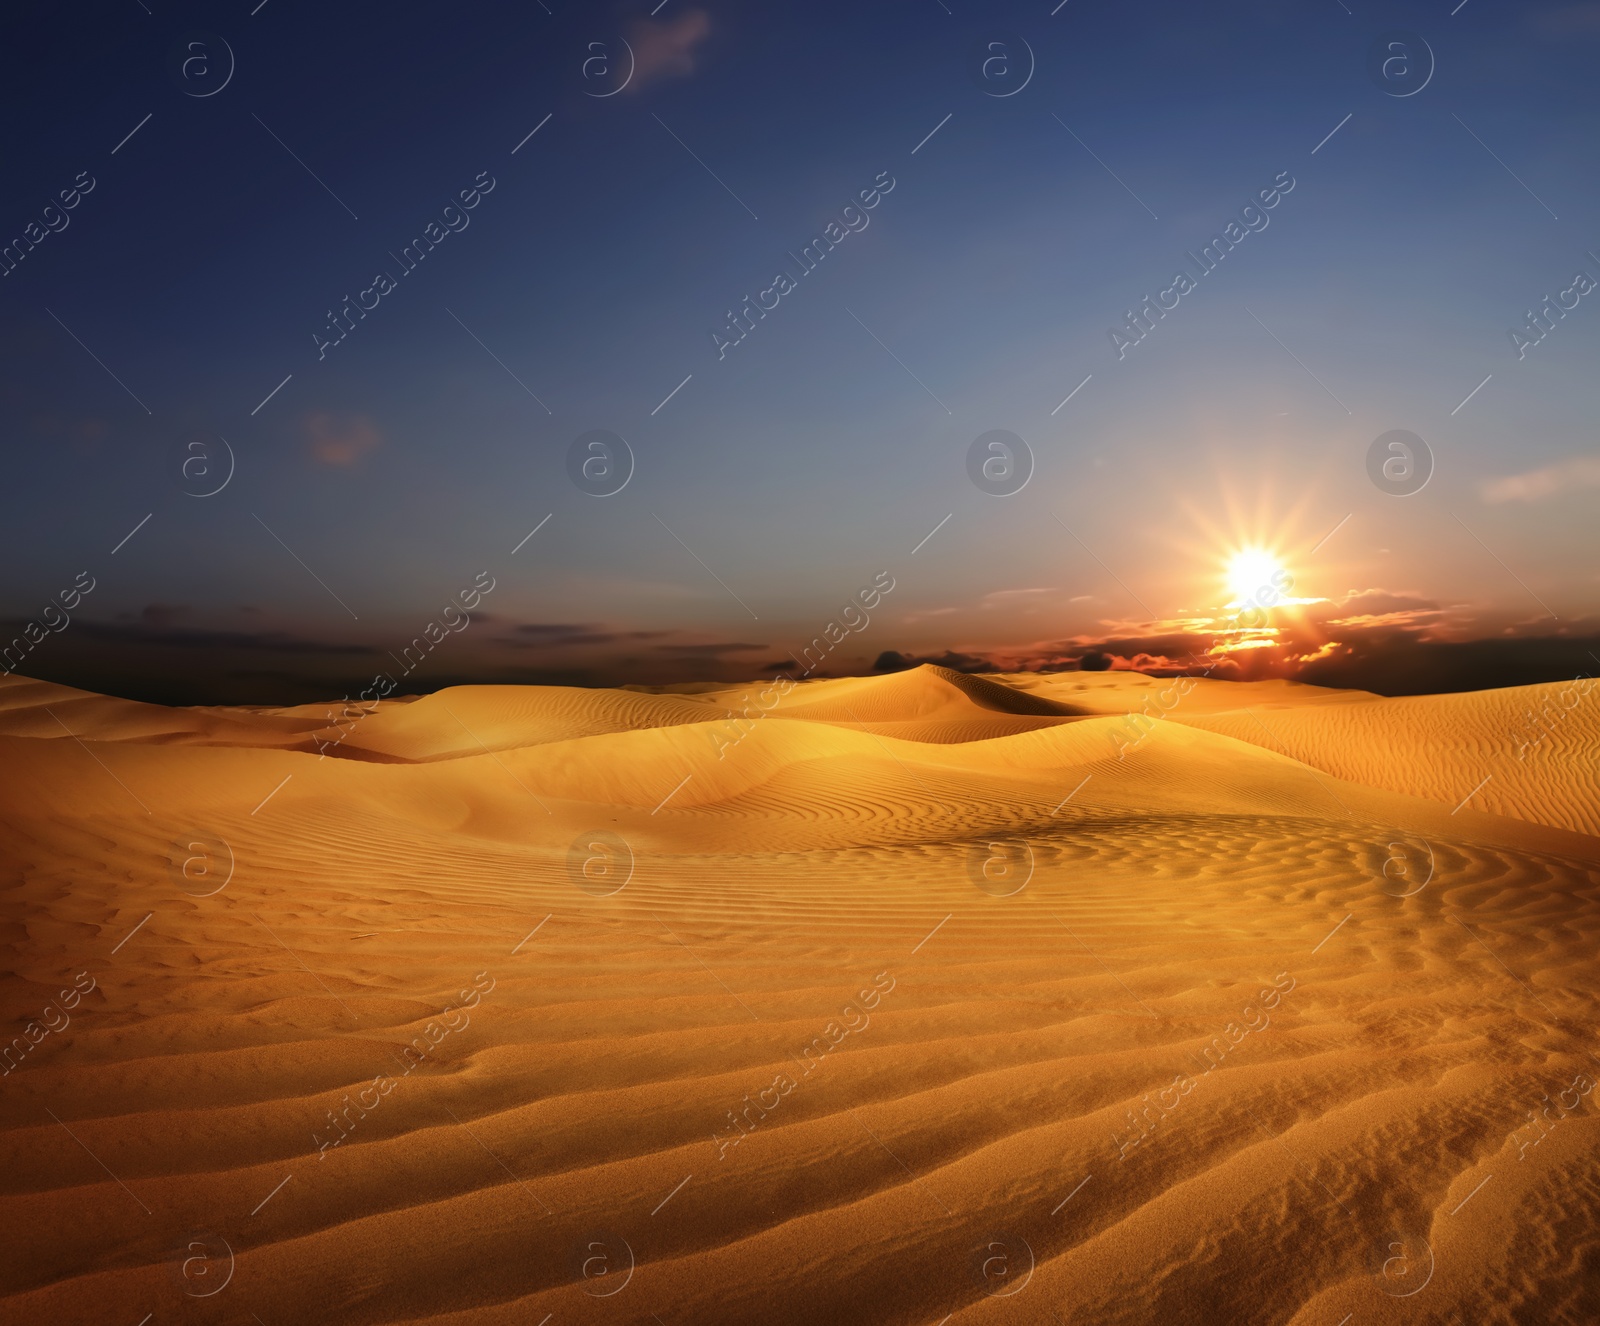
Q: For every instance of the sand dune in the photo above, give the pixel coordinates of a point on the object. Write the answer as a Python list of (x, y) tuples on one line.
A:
[(901, 1000)]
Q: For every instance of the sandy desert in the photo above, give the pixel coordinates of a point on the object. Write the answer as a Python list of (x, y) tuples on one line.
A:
[(921, 998)]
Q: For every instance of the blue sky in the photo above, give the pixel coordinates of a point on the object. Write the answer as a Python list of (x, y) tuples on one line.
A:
[(827, 444)]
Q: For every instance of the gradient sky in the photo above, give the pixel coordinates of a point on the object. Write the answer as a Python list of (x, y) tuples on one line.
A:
[(823, 449)]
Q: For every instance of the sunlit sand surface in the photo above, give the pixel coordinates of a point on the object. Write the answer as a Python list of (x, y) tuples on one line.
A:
[(922, 998)]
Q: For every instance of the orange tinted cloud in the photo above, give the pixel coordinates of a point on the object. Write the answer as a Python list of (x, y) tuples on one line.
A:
[(340, 439), (667, 50), (1576, 472)]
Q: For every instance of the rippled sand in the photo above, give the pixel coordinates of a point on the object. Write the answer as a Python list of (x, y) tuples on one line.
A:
[(898, 1000)]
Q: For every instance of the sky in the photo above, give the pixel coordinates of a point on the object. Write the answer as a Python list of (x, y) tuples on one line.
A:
[(312, 318)]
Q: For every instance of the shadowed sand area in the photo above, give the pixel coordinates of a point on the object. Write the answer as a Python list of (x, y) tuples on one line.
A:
[(1254, 1023)]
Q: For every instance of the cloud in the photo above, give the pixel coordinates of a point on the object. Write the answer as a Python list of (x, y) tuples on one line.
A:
[(667, 50), (1534, 485), (1581, 20), (339, 438), (568, 635), (154, 626), (1003, 597), (160, 615), (709, 650), (557, 635)]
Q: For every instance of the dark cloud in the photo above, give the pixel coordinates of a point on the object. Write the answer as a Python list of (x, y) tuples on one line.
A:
[(1396, 663), (709, 650), (153, 626), (158, 615), (558, 635), (892, 660)]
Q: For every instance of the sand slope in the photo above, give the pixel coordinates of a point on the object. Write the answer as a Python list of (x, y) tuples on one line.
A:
[(1010, 987)]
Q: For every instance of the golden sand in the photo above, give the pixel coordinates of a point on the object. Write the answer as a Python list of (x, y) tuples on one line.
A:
[(910, 999)]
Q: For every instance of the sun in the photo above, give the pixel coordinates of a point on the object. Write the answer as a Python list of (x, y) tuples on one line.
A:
[(1252, 571)]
